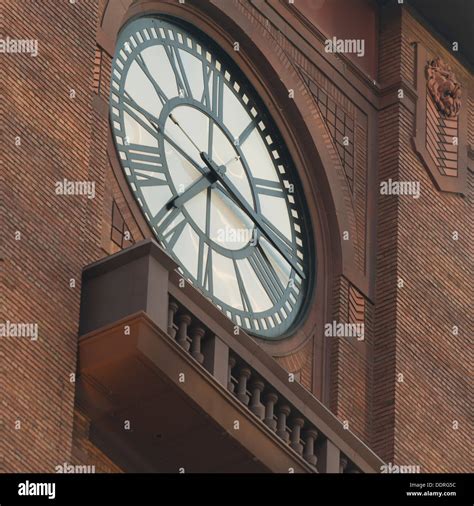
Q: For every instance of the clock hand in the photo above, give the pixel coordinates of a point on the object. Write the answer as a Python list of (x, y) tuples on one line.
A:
[(240, 200), (234, 194), (175, 121), (172, 118), (235, 158), (154, 123), (132, 105), (197, 187)]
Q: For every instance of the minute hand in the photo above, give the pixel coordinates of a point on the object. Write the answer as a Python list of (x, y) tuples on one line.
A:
[(154, 122), (240, 200)]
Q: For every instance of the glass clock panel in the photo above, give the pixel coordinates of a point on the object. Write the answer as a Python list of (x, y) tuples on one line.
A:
[(212, 174)]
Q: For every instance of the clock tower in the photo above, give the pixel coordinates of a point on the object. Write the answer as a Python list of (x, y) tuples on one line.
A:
[(206, 266)]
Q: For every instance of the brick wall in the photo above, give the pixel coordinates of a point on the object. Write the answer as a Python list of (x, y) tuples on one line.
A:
[(350, 366), (435, 362), (421, 369), (382, 437), (46, 238)]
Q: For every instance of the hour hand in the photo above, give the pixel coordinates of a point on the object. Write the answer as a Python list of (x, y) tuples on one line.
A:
[(197, 187), (219, 173)]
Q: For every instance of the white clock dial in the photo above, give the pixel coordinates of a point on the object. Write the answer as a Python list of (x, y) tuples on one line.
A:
[(211, 174)]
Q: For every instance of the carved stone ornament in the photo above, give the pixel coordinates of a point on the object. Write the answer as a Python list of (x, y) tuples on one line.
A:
[(440, 138), (443, 87)]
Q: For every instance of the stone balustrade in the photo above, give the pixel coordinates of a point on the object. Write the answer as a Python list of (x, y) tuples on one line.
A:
[(298, 423), (260, 397)]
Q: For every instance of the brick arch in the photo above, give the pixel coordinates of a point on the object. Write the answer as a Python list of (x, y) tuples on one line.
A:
[(272, 74)]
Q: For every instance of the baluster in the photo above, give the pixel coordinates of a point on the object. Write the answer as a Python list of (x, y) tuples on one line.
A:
[(197, 334), (230, 384), (342, 464), (183, 321), (256, 406), (310, 437), (283, 412), (244, 375), (172, 309), (297, 423), (270, 401)]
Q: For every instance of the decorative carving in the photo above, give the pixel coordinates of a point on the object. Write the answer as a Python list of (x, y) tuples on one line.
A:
[(444, 88), (441, 123)]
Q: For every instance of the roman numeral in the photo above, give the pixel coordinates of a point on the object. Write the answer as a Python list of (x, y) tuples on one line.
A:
[(144, 158), (245, 133), (204, 276), (146, 165), (208, 283), (266, 275), (139, 115), (214, 101), (205, 269), (270, 188), (206, 98), (165, 217), (243, 292), (172, 235), (217, 95), (176, 62), (210, 138), (161, 94), (144, 180)]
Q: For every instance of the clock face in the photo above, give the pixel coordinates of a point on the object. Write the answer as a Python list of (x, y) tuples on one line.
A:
[(211, 174)]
